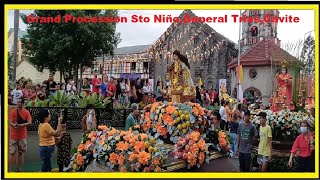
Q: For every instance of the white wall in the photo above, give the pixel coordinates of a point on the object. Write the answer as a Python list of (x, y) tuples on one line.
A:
[(27, 70), (263, 81)]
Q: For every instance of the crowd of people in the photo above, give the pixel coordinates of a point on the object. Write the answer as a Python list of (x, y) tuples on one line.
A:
[(235, 121), (120, 91)]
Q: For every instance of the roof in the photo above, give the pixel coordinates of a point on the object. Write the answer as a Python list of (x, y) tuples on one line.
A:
[(262, 53), (21, 33), (130, 49)]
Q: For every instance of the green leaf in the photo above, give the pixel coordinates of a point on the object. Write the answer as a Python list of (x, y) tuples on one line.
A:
[(83, 94)]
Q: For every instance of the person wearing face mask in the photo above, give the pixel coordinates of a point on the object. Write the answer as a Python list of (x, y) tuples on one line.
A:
[(305, 146)]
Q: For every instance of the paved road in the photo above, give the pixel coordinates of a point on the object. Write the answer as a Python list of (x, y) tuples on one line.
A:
[(33, 163)]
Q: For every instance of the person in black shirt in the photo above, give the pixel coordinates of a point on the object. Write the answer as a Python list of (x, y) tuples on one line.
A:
[(51, 85), (139, 90)]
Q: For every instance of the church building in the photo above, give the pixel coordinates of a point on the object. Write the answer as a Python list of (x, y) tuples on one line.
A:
[(260, 58)]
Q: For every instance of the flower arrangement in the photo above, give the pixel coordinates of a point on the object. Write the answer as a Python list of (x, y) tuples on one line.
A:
[(192, 148), (173, 121), (125, 151), (285, 124)]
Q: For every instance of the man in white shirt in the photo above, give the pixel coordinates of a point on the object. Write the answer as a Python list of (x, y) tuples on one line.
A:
[(71, 88), (16, 94), (222, 112)]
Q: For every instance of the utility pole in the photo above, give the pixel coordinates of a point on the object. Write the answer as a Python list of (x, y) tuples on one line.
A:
[(15, 43)]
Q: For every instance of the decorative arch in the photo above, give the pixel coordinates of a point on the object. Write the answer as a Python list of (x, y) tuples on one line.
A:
[(256, 94), (210, 82)]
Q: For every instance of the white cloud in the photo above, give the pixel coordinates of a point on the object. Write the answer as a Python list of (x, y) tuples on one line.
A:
[(147, 33)]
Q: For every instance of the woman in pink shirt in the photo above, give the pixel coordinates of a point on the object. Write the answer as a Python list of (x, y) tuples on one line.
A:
[(305, 145), (26, 91)]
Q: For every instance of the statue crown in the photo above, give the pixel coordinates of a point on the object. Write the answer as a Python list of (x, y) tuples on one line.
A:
[(284, 64)]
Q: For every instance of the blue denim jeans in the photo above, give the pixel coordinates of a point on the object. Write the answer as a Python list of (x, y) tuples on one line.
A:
[(234, 145), (45, 156)]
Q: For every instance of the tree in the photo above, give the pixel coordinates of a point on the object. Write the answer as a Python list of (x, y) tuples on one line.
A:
[(68, 46), (307, 55), (304, 51)]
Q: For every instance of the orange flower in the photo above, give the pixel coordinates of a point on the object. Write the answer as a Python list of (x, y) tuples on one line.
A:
[(81, 147), (113, 158), (154, 106), (191, 159), (202, 144), (112, 132), (137, 126), (157, 169), (123, 169), (170, 109), (191, 104), (122, 146), (222, 142), (102, 127), (143, 136), (80, 160), (222, 134), (144, 127), (167, 119), (194, 136), (121, 159), (171, 103), (102, 140), (91, 134), (194, 149), (132, 157), (139, 146), (195, 111), (163, 131), (123, 133), (201, 157), (156, 161), (144, 157), (159, 127)]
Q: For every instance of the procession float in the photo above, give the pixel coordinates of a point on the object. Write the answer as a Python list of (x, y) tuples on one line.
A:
[(170, 136)]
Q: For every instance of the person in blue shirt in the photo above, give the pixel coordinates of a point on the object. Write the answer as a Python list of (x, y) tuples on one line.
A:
[(104, 86)]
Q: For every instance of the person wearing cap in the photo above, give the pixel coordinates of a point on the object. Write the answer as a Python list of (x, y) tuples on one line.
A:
[(131, 120), (265, 144), (246, 133), (47, 138), (19, 119)]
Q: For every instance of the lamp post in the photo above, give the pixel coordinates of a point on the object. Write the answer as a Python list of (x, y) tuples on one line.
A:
[(15, 44)]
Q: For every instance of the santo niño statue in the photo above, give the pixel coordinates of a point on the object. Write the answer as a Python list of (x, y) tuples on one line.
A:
[(181, 84)]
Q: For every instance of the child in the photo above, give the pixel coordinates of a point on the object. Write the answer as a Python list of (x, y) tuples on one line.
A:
[(91, 120), (64, 144)]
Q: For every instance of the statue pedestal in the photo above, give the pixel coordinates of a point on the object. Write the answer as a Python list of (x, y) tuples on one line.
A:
[(179, 98)]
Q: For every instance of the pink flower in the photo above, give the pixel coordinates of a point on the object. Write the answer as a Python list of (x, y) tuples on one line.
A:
[(146, 169)]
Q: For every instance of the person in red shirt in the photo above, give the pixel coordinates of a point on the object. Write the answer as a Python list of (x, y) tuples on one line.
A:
[(111, 89), (96, 82), (19, 119), (305, 145)]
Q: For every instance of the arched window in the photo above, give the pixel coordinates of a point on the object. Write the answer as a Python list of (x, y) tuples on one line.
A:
[(254, 31)]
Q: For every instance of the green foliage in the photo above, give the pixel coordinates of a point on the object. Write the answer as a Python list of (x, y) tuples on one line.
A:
[(96, 100), (65, 46), (60, 99)]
